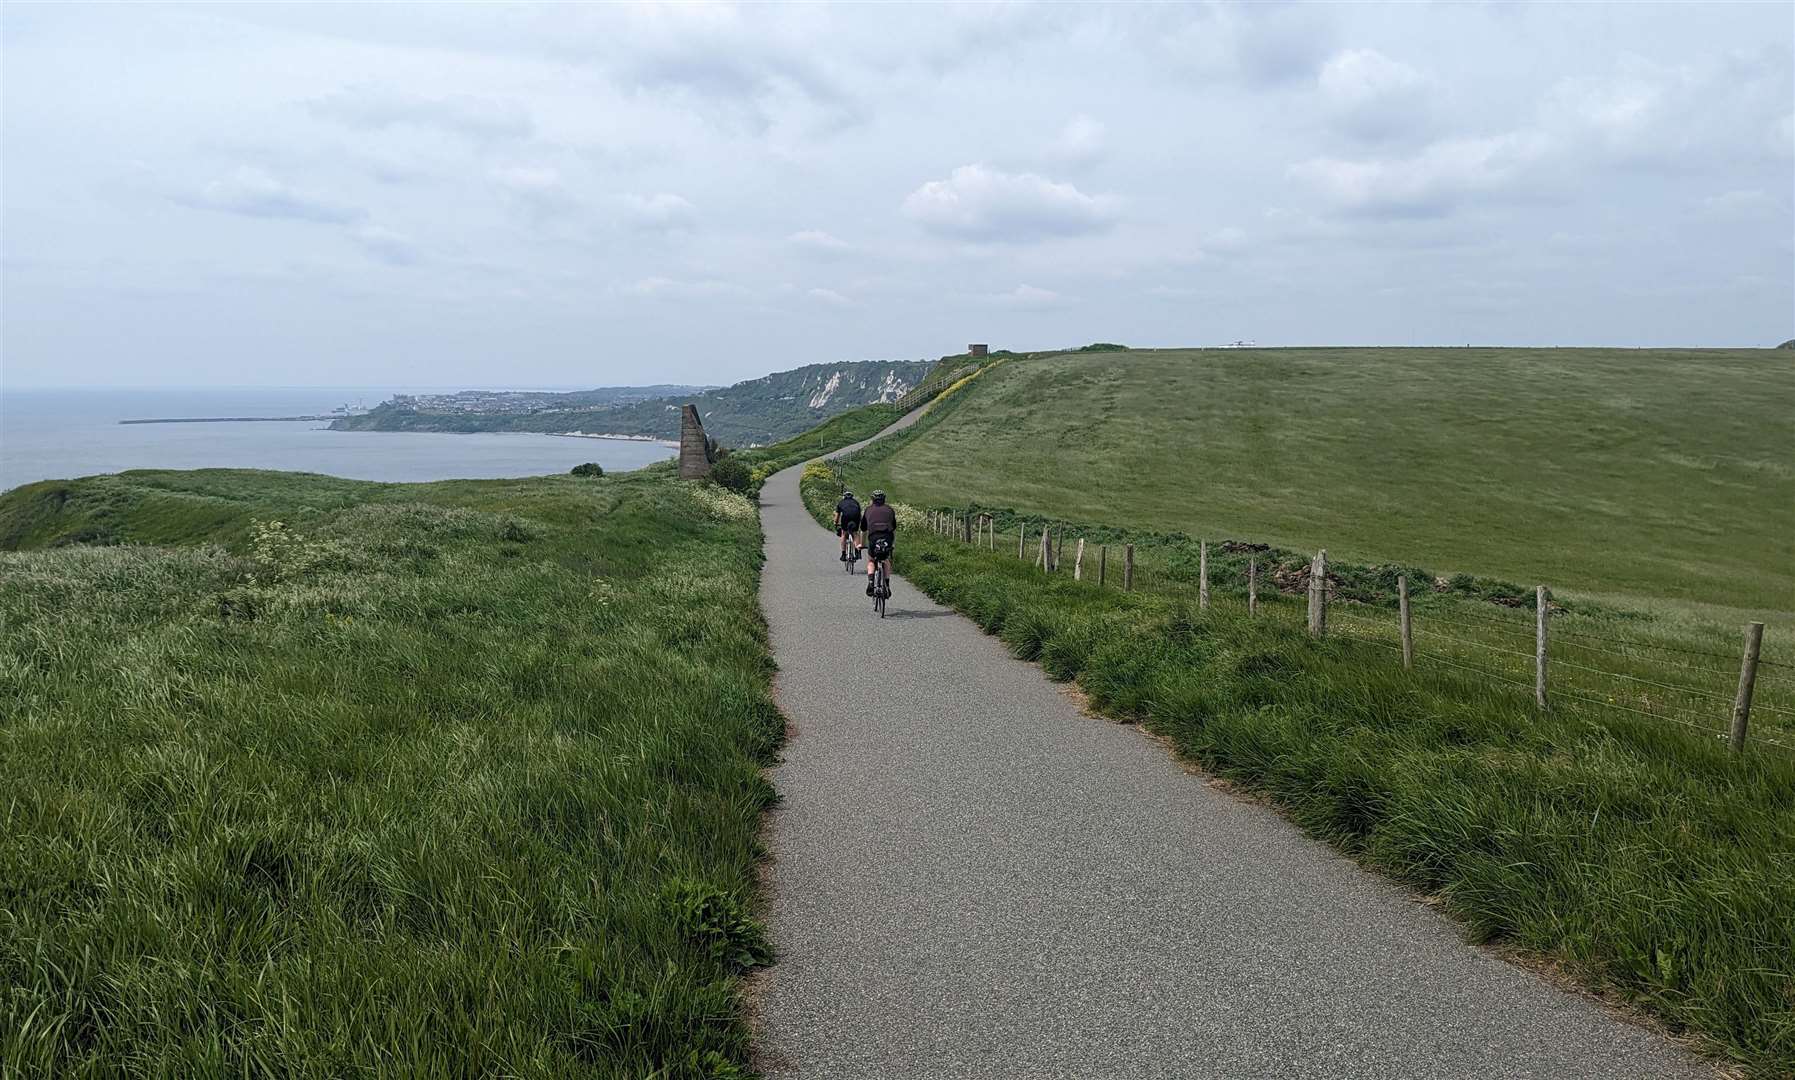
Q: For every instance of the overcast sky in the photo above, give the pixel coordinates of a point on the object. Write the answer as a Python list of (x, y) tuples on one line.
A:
[(586, 195)]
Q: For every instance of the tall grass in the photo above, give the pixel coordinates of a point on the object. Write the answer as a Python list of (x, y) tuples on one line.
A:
[(1661, 474), (1635, 855), (396, 780)]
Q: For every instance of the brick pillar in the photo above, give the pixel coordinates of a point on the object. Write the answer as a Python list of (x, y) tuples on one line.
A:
[(694, 463)]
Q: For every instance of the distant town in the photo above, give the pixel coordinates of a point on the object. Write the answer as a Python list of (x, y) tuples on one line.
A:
[(482, 401)]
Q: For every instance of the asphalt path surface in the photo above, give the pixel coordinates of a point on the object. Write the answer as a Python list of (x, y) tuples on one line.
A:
[(972, 878)]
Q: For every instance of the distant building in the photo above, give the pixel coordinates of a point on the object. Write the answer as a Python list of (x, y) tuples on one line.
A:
[(979, 350)]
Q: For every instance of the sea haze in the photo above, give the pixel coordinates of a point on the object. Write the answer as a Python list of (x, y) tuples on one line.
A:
[(54, 434)]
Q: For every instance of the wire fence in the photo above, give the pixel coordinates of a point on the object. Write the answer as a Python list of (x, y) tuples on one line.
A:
[(1565, 656)]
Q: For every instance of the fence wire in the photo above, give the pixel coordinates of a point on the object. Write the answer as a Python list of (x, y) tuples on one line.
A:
[(1357, 621)]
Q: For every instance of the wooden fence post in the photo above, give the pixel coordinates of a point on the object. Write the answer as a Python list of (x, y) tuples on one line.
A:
[(1541, 609), (1128, 568), (1252, 586), (966, 533), (1203, 575), (1078, 562), (1103, 565), (1748, 676), (1408, 637), (1021, 540), (1046, 546), (1318, 594)]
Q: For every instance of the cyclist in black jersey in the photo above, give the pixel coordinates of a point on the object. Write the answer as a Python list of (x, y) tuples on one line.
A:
[(847, 524), (880, 522)]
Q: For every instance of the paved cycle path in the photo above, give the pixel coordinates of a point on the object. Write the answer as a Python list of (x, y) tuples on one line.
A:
[(970, 878)]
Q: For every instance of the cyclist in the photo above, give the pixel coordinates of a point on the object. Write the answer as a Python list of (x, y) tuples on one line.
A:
[(847, 524), (880, 523)]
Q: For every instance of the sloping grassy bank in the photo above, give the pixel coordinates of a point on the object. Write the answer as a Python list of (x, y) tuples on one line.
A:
[(1653, 474), (844, 430), (384, 780), (1639, 858)]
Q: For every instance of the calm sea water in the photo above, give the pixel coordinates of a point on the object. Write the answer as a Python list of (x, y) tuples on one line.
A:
[(52, 434)]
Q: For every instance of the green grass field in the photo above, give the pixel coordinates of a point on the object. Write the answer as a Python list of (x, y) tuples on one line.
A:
[(1644, 477), (1629, 853), (311, 777)]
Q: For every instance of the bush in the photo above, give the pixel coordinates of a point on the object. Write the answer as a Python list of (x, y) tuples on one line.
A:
[(590, 468), (729, 473)]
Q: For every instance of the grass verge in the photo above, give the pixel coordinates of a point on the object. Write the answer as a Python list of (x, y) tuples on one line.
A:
[(1635, 856), (345, 778)]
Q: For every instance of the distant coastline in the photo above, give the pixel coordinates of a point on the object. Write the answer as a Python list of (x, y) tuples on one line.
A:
[(232, 419), (619, 438)]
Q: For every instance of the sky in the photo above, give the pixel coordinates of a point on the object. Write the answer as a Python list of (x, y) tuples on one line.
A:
[(582, 195)]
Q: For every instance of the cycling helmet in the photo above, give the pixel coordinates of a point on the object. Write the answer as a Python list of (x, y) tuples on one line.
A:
[(847, 494), (879, 498)]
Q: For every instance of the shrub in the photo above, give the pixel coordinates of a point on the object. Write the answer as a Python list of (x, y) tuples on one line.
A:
[(590, 468), (729, 473)]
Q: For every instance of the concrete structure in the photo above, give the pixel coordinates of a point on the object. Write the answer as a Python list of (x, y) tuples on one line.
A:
[(979, 350), (694, 461)]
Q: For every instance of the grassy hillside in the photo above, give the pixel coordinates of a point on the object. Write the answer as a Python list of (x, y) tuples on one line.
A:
[(752, 413), (1634, 855), (1637, 475), (327, 778)]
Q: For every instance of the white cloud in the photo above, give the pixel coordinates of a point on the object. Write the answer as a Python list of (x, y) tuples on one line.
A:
[(1369, 96), (660, 212), (384, 244), (376, 108), (664, 288), (1620, 113), (831, 298), (527, 178), (253, 193), (1428, 183), (1226, 240), (1670, 117), (1256, 45), (1028, 298), (1781, 137), (732, 67), (818, 242), (980, 203), (494, 147), (1080, 143), (1738, 205), (537, 188)]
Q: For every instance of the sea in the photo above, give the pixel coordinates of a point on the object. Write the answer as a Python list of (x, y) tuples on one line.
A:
[(55, 434)]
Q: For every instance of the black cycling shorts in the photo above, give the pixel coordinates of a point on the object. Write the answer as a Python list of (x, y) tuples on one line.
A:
[(878, 545), (848, 528)]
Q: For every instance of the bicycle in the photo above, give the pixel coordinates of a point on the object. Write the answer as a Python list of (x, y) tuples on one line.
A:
[(850, 556), (879, 553)]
